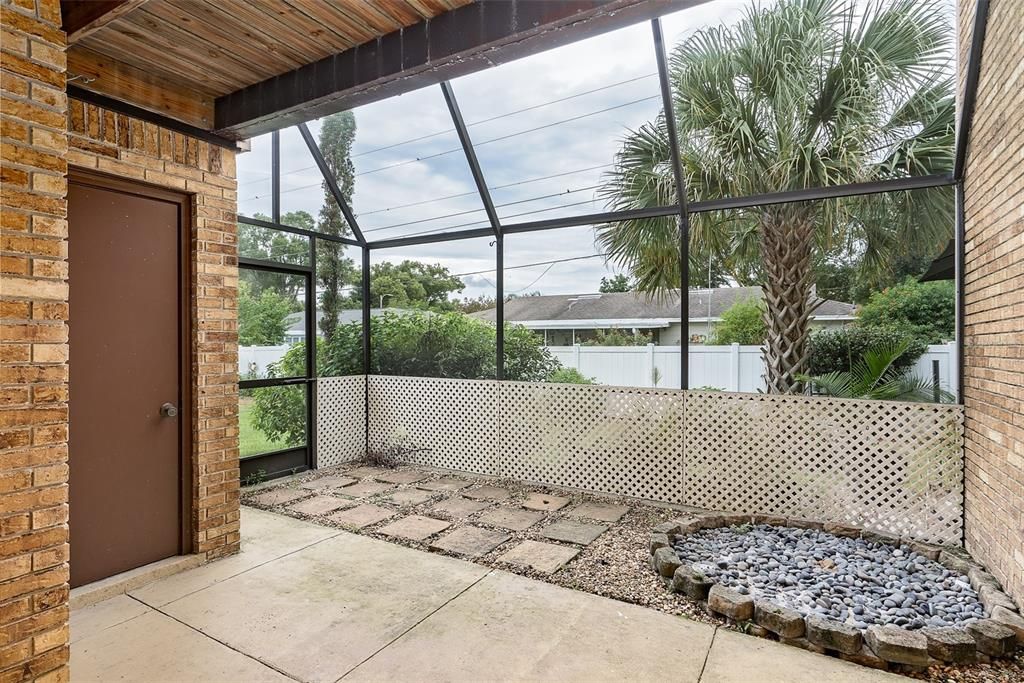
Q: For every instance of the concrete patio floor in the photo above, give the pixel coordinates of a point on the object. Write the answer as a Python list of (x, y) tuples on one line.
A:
[(309, 603)]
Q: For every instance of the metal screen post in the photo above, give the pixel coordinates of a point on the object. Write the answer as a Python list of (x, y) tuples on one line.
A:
[(275, 176), (684, 216)]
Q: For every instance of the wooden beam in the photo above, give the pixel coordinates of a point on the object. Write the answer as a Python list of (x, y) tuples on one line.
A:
[(177, 100), (83, 18), (451, 44)]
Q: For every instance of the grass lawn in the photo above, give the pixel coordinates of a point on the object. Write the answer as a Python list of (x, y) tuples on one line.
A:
[(251, 440)]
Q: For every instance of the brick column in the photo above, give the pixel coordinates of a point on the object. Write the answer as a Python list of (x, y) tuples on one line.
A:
[(34, 352)]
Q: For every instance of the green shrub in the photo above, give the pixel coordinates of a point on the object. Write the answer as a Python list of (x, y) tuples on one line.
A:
[(742, 323), (839, 349), (618, 337), (569, 376), (924, 310)]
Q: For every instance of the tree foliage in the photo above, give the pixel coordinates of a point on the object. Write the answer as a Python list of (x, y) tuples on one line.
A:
[(925, 311), (615, 283), (335, 271), (617, 337), (413, 284), (742, 323), (261, 317)]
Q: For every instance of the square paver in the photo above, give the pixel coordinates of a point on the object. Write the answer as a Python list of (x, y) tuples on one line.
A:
[(511, 518), (410, 497), (332, 482), (544, 501), (402, 476), (279, 496), (470, 541), (572, 531), (320, 505), (361, 516), (365, 471), (603, 512), (461, 507), (544, 557), (443, 484), (365, 489), (495, 493), (414, 527)]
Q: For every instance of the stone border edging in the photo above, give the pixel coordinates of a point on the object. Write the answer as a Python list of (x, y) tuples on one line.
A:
[(878, 646)]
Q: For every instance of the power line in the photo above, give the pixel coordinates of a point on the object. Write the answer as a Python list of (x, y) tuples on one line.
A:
[(482, 121), (532, 265), (497, 206), (484, 222), (510, 135)]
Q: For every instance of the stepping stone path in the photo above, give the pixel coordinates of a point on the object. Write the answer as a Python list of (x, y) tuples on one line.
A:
[(402, 477), (511, 518), (546, 558), (329, 482), (571, 531), (599, 511), (461, 507), (365, 489), (365, 471), (280, 496), (445, 484), (470, 541), (488, 493), (361, 516), (545, 502), (320, 505), (414, 528), (410, 497)]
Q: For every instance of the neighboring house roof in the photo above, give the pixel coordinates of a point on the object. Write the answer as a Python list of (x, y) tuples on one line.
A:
[(636, 309), (294, 322)]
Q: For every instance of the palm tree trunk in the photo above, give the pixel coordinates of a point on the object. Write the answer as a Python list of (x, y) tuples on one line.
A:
[(787, 243)]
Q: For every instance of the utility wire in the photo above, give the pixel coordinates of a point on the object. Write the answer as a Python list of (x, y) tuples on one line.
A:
[(449, 228), (482, 121), (508, 136), (532, 265)]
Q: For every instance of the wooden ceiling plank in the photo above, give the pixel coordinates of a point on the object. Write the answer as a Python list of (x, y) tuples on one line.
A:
[(216, 14), (137, 49), (208, 31), (256, 14), (369, 15), (318, 36), (349, 32), (101, 20), (206, 54), (169, 97)]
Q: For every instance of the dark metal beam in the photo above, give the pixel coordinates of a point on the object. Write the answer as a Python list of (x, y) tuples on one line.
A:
[(684, 216), (295, 231), (413, 240), (474, 163), (959, 238), (492, 216), (365, 280), (332, 182), (79, 93), (275, 176), (823, 193), (963, 127), (457, 42)]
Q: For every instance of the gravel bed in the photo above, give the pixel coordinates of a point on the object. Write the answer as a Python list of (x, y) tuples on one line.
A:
[(849, 580)]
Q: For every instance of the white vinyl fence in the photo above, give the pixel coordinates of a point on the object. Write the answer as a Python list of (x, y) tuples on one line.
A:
[(253, 360), (730, 368)]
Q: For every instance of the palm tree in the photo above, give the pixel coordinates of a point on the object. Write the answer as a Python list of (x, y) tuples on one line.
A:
[(807, 93)]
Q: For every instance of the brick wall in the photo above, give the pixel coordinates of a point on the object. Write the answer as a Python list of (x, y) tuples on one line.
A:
[(34, 351), (994, 299), (104, 141)]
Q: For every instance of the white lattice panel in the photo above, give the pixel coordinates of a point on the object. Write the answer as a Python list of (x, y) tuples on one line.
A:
[(893, 467), (340, 419), (450, 423), (614, 439)]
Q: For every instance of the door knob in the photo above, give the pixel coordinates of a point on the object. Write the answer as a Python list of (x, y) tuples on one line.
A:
[(169, 410)]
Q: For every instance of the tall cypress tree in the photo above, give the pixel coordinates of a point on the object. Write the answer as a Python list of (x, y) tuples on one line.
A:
[(334, 269)]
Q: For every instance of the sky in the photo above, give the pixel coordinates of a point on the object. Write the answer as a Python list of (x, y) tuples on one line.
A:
[(545, 129)]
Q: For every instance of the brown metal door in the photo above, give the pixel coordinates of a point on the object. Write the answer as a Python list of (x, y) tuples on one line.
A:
[(125, 284)]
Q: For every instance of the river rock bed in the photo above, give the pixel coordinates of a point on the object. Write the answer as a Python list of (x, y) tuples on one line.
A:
[(849, 580)]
